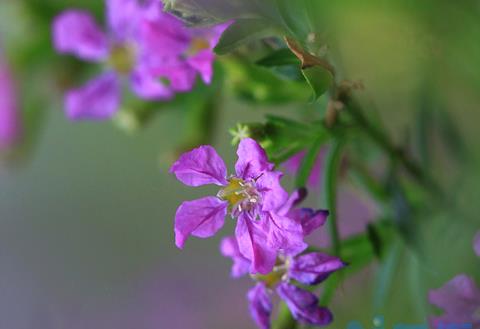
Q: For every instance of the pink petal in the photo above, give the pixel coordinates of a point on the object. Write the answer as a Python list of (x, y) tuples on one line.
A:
[(459, 297), (273, 194), (283, 233), (200, 166), (252, 160), (229, 248), (10, 117), (149, 87), (252, 244), (260, 305), (76, 32), (201, 218), (99, 99), (203, 64)]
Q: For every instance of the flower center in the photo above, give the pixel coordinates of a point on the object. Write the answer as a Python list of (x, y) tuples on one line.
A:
[(278, 274), (122, 58), (241, 195), (197, 45)]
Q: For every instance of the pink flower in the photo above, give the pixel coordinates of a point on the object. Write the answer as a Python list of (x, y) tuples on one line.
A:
[(152, 50), (253, 196)]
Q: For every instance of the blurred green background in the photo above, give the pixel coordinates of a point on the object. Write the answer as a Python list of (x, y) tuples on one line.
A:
[(86, 209)]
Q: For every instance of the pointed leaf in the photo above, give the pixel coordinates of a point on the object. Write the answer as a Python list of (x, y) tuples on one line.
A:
[(242, 31)]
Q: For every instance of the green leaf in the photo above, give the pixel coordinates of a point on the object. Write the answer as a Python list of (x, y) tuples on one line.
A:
[(241, 32), (280, 57), (317, 72), (319, 80)]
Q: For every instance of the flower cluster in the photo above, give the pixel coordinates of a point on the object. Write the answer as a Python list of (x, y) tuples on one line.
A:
[(151, 50), (459, 298), (270, 229)]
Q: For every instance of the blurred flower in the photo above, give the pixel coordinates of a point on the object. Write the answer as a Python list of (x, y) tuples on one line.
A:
[(253, 196), (10, 120), (153, 50), (459, 298)]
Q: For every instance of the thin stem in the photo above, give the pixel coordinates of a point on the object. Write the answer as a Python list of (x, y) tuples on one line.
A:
[(330, 192)]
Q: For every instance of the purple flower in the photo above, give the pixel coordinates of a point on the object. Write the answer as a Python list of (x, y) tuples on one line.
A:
[(304, 305), (10, 121), (308, 269), (460, 299), (260, 305), (151, 49), (253, 196)]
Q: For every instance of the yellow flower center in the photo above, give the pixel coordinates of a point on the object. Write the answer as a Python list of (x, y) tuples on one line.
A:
[(197, 45), (240, 195), (122, 58)]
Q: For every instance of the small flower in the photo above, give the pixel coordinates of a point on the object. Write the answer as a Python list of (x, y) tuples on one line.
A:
[(10, 121), (253, 196), (151, 49), (460, 300), (308, 269)]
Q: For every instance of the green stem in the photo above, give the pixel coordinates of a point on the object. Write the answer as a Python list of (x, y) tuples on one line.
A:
[(332, 165), (285, 319)]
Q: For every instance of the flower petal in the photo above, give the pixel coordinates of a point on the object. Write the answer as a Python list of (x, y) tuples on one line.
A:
[(459, 297), (283, 233), (476, 244), (200, 166), (123, 17), (10, 116), (229, 248), (313, 268), (203, 64), (309, 218), (260, 305), (304, 305), (295, 198), (76, 32), (252, 160), (201, 218), (149, 87), (99, 99), (251, 238), (273, 194)]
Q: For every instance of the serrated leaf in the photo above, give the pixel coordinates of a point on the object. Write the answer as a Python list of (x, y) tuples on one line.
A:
[(241, 32)]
